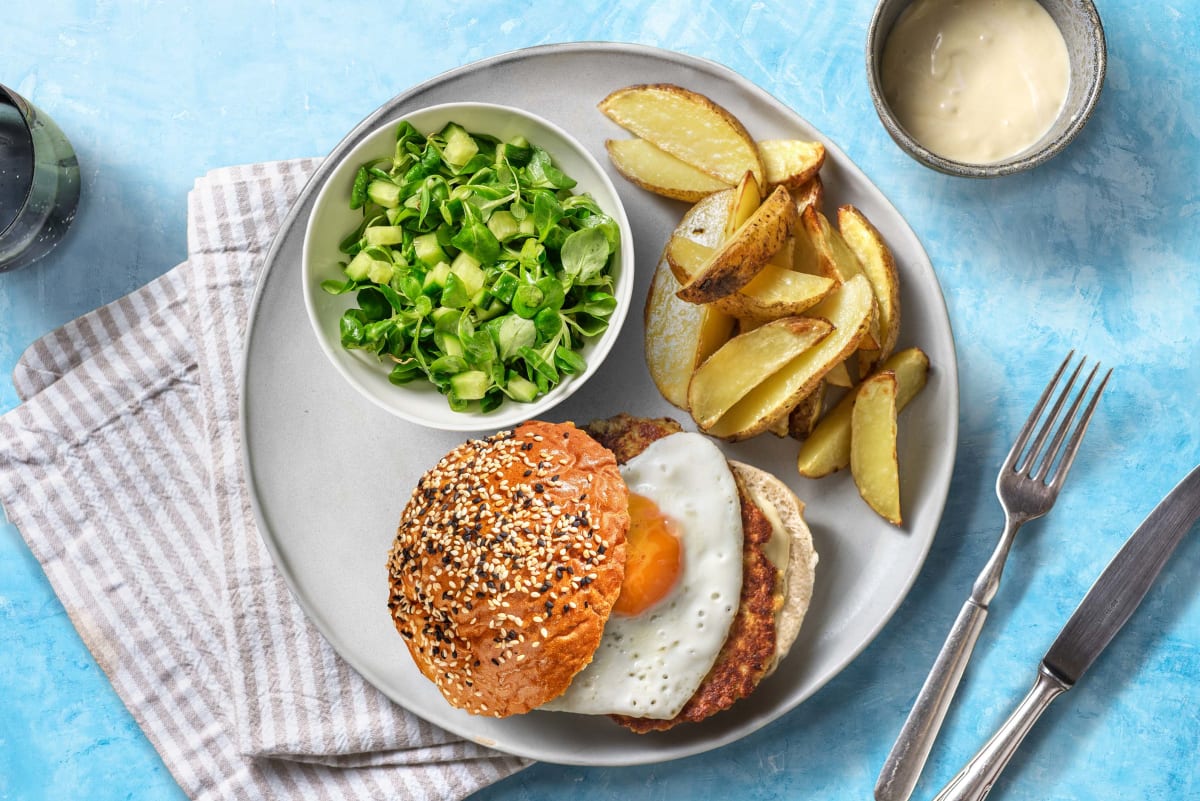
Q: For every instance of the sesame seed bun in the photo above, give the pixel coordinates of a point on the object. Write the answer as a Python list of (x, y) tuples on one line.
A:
[(508, 558)]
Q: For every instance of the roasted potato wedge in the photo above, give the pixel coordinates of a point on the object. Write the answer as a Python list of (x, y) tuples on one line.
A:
[(659, 172), (873, 461), (834, 257), (689, 126), (849, 309), (747, 197), (771, 294), (790, 162), (740, 258), (746, 361), (839, 376), (812, 193), (827, 448), (680, 335), (880, 268), (803, 418)]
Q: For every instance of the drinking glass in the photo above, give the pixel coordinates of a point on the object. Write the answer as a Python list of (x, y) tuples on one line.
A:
[(39, 182)]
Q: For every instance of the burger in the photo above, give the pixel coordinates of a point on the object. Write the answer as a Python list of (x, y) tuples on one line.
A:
[(625, 569)]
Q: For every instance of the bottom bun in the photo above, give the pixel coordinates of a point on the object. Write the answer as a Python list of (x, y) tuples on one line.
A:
[(768, 491)]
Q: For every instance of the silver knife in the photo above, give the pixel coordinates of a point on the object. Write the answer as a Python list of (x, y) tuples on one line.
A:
[(1101, 614)]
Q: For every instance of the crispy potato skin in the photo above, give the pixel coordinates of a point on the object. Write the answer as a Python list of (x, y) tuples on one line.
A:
[(741, 257)]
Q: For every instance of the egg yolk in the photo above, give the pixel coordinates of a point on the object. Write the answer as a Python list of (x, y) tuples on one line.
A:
[(653, 557)]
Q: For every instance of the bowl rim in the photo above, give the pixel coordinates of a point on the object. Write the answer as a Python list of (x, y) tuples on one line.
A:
[(511, 412), (876, 41)]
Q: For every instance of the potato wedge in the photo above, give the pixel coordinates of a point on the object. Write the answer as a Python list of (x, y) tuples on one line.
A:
[(680, 335), (849, 309), (779, 427), (771, 294), (746, 198), (827, 449), (812, 193), (873, 461), (657, 171), (803, 418), (790, 162), (740, 258), (839, 376), (834, 257), (746, 361), (689, 126), (775, 293), (880, 268)]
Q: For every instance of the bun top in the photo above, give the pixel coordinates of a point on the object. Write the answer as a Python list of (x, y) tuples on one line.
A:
[(508, 558)]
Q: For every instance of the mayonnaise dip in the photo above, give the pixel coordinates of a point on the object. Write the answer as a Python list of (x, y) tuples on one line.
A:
[(975, 81)]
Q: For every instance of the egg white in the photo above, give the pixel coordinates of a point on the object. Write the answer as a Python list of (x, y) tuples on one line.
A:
[(650, 664)]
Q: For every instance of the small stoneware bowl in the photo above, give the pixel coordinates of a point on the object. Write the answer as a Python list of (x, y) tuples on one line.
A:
[(332, 219), (1083, 33)]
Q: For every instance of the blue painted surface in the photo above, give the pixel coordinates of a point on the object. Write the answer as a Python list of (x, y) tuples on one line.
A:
[(1097, 250)]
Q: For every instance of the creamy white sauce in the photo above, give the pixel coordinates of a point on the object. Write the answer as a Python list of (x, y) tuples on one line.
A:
[(976, 81)]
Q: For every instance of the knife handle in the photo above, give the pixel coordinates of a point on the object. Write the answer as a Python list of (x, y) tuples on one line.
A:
[(975, 780), (903, 765)]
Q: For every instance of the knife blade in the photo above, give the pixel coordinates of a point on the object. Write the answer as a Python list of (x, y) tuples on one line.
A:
[(1125, 582), (1107, 606)]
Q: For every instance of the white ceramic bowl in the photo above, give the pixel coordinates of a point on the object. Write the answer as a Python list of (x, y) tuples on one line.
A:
[(332, 219)]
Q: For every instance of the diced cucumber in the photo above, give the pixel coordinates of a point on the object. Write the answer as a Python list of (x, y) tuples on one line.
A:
[(487, 306), (466, 267), (460, 147), (384, 193), (359, 266), (448, 343), (428, 250), (367, 265), (521, 389), (436, 278), (503, 225), (517, 152), (505, 287), (380, 271), (378, 235), (471, 384)]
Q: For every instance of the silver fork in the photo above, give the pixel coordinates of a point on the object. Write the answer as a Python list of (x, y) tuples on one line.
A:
[(1028, 485)]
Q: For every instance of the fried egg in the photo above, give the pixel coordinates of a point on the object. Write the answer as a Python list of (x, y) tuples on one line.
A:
[(683, 579)]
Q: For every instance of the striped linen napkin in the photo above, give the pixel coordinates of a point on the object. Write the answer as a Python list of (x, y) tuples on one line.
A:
[(122, 470)]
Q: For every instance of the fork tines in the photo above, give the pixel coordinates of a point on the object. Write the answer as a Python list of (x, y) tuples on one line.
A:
[(1023, 461)]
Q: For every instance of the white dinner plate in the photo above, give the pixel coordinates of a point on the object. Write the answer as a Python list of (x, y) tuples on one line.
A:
[(330, 472)]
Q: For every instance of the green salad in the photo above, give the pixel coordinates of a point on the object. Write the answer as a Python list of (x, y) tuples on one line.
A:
[(475, 267)]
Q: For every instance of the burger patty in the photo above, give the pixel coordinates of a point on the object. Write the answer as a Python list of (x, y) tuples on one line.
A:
[(750, 644)]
